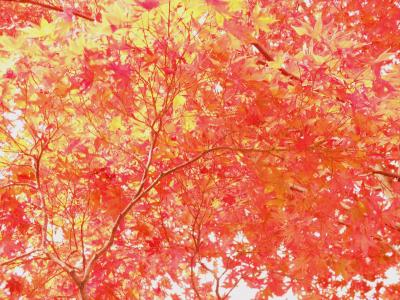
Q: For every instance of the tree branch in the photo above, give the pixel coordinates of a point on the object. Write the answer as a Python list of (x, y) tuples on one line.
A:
[(121, 216), (51, 7), (298, 188), (142, 192), (10, 261), (387, 174), (192, 280), (18, 184), (268, 57), (283, 71), (65, 267)]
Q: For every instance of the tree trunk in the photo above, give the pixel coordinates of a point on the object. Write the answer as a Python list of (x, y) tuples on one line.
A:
[(82, 293)]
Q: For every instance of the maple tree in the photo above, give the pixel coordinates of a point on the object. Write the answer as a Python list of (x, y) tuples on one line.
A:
[(153, 149)]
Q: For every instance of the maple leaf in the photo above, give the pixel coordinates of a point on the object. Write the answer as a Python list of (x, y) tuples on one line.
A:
[(189, 121), (178, 102), (262, 19), (15, 286), (10, 74), (44, 29), (305, 140), (116, 123), (241, 32), (149, 4), (220, 5), (152, 148), (229, 199), (307, 29)]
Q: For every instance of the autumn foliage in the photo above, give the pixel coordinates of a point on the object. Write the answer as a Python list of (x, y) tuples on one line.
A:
[(178, 149)]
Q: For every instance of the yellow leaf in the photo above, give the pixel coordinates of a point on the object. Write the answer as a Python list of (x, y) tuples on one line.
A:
[(262, 18), (320, 59), (277, 63), (141, 133), (316, 34), (216, 203), (345, 43), (116, 14), (100, 29), (300, 30), (237, 5), (77, 45), (263, 21), (115, 124), (44, 29), (9, 44), (305, 28), (368, 83), (178, 102), (196, 8), (219, 18), (189, 121), (332, 63)]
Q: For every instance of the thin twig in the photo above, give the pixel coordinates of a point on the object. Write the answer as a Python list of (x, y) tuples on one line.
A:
[(268, 57), (142, 192), (51, 7), (10, 261), (387, 174), (18, 184)]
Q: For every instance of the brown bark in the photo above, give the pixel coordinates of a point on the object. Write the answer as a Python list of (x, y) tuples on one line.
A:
[(82, 293)]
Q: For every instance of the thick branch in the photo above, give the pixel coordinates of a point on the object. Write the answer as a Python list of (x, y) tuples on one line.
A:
[(65, 267), (82, 293), (51, 7)]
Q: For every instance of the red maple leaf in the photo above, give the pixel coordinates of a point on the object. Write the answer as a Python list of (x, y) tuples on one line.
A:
[(149, 4)]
